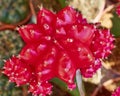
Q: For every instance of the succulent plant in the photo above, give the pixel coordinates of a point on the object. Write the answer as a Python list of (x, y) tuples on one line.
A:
[(13, 11), (57, 46)]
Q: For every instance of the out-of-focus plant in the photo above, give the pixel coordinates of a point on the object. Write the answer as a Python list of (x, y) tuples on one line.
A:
[(13, 11), (115, 25), (116, 92), (10, 43), (9, 89)]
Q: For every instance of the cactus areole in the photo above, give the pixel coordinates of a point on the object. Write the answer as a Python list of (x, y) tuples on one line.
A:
[(57, 46)]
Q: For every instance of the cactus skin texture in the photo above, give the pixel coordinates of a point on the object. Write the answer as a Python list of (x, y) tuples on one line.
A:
[(57, 46), (116, 92)]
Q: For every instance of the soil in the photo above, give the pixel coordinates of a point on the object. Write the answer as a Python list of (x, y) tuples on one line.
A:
[(90, 89)]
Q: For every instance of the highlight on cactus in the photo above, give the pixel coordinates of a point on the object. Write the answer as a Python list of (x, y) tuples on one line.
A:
[(58, 45), (116, 92)]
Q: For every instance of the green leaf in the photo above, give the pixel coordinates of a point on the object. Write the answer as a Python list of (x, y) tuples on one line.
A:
[(62, 3), (116, 25)]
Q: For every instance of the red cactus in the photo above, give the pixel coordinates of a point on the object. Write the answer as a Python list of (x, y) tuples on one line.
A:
[(116, 92), (57, 46)]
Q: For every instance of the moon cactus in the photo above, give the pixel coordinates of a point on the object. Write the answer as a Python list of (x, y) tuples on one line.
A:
[(57, 46)]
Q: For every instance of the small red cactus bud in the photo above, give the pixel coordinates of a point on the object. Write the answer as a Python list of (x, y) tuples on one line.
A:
[(17, 71), (116, 92), (102, 43)]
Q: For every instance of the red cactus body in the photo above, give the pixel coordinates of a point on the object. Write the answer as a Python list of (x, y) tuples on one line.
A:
[(116, 92), (57, 46)]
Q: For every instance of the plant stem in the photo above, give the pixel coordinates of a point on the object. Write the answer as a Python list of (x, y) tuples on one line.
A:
[(79, 83)]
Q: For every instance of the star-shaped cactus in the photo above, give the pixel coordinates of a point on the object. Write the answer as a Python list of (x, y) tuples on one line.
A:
[(57, 46)]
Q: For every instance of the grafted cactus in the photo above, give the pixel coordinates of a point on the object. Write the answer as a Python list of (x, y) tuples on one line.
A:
[(57, 46)]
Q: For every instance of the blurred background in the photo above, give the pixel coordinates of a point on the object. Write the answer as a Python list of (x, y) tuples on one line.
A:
[(14, 13)]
